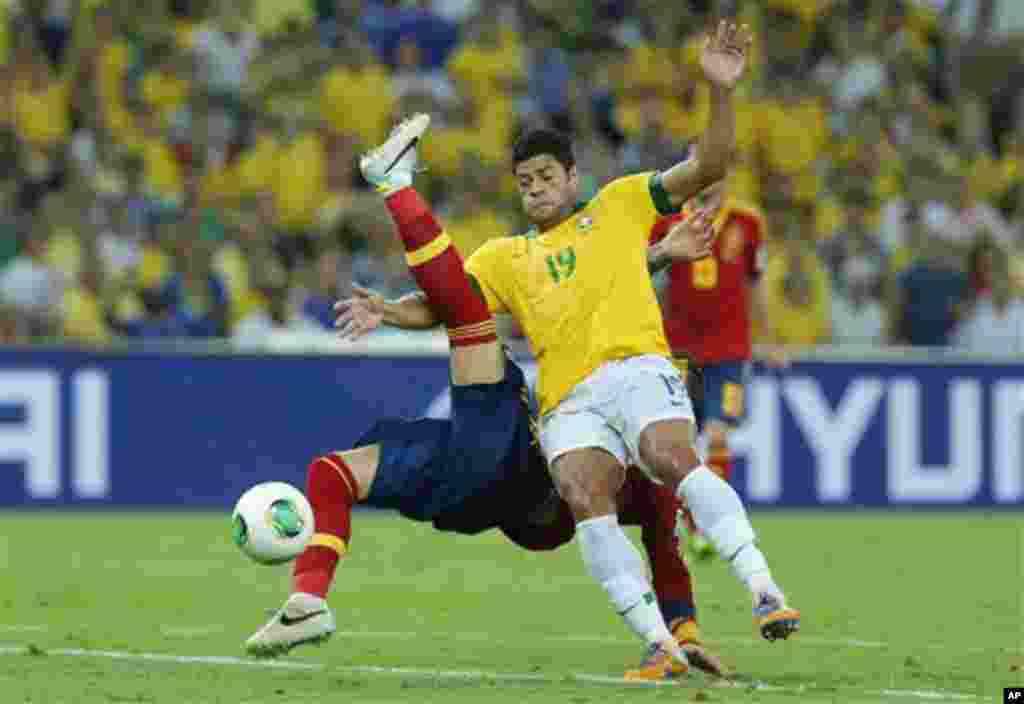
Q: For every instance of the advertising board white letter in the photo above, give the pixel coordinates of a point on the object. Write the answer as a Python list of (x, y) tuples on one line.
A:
[(758, 439), (36, 442), (833, 436), (909, 480), (91, 417)]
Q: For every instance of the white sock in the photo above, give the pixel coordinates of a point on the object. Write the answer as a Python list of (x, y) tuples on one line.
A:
[(613, 560), (720, 516)]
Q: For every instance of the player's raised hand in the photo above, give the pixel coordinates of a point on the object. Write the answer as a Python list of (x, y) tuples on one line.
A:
[(724, 58), (693, 237), (359, 315)]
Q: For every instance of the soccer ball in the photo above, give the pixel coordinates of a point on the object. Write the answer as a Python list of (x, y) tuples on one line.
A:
[(272, 523)]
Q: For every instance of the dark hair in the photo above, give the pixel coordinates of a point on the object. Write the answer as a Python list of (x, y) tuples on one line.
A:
[(544, 141)]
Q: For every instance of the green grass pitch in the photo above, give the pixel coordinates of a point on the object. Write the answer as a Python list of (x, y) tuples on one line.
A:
[(154, 608)]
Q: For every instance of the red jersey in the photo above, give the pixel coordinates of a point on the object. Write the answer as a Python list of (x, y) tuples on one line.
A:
[(708, 311)]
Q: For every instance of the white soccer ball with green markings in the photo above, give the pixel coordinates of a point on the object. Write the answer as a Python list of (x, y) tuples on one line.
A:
[(272, 523)]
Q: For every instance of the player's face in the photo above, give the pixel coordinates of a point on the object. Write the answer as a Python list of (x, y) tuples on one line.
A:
[(547, 190)]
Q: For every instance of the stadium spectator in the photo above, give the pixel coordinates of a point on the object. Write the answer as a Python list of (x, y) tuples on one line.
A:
[(902, 116), (993, 319), (380, 264), (549, 76), (857, 313), (12, 327), (489, 70), (55, 31), (928, 295), (962, 225), (225, 49), (358, 79), (106, 65), (153, 320), (797, 292), (269, 311), (299, 191), (471, 221), (163, 179), (652, 147), (331, 279), (196, 294), (165, 88), (855, 237), (11, 15), (42, 126), (83, 317), (32, 286), (415, 79), (386, 25)]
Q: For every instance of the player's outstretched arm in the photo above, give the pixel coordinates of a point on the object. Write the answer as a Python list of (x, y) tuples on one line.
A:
[(724, 61), (689, 239), (367, 310)]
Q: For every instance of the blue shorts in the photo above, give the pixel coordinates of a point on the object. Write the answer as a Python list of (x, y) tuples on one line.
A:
[(725, 391), (455, 472)]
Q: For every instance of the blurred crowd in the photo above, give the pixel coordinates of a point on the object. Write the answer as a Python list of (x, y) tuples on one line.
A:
[(187, 168)]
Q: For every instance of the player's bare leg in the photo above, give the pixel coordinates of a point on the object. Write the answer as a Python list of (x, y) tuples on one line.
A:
[(666, 447), (477, 357), (334, 484), (589, 480)]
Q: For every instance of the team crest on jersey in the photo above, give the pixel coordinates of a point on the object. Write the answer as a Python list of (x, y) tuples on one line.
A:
[(585, 223)]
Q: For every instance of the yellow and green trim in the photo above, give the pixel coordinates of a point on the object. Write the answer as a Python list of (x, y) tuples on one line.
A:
[(429, 251), (331, 542)]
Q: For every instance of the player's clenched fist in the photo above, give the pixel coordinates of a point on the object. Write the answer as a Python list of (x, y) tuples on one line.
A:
[(360, 315), (724, 58)]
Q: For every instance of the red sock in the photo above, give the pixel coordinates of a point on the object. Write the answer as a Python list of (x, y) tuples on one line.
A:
[(720, 461), (653, 507), (332, 491), (437, 268)]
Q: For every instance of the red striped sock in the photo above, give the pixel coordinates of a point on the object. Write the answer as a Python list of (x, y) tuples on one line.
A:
[(332, 491), (437, 268)]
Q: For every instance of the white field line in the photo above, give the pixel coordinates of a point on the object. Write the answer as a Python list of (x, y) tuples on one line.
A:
[(19, 628), (481, 675), (191, 631), (753, 641)]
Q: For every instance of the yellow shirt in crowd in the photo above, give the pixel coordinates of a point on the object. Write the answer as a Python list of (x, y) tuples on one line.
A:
[(167, 94), (300, 186), (361, 103), (469, 233), (84, 319), (42, 117), (810, 324)]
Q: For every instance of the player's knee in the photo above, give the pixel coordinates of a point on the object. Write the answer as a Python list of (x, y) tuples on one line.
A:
[(586, 499), (669, 456), (588, 480), (357, 468)]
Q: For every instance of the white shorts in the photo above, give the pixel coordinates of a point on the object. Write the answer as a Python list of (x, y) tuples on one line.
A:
[(613, 406)]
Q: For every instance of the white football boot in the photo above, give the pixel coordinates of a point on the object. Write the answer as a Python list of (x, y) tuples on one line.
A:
[(303, 619), (391, 166)]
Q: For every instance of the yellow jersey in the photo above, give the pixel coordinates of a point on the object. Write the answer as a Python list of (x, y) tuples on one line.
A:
[(581, 291)]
